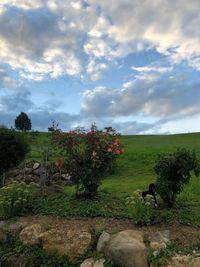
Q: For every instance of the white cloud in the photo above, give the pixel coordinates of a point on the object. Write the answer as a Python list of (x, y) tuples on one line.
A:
[(152, 69), (58, 37), (24, 4)]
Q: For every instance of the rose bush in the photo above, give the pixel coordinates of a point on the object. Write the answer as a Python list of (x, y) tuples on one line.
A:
[(88, 156)]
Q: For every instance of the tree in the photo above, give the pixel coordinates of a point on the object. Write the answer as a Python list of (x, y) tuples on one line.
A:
[(13, 149), (23, 122), (173, 171)]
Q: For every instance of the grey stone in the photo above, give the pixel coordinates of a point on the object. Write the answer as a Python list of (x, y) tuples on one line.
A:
[(70, 243), (87, 263), (99, 263), (36, 165), (184, 261), (127, 249), (103, 240), (30, 235)]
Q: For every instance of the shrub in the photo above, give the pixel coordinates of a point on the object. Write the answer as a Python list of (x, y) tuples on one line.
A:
[(142, 209), (88, 157), (12, 150), (14, 199), (173, 171), (23, 122)]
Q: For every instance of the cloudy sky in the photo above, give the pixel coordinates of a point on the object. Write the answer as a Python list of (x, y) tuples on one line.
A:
[(130, 64)]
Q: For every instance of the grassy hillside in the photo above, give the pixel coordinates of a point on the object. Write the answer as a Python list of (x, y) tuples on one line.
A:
[(135, 167)]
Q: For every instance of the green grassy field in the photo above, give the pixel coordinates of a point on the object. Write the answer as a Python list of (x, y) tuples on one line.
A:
[(134, 171)]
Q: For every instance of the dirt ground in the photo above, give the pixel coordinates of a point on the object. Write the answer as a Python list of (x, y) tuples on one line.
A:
[(181, 235)]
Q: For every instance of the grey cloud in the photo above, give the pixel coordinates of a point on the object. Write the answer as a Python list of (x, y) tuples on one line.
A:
[(41, 120), (5, 80), (16, 102), (28, 33), (161, 98)]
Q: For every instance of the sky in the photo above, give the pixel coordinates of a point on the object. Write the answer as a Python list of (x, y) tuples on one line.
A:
[(130, 64)]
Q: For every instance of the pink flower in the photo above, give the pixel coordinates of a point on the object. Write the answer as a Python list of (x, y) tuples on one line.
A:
[(116, 145), (117, 152), (109, 149)]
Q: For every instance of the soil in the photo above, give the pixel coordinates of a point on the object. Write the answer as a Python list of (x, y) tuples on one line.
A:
[(181, 235)]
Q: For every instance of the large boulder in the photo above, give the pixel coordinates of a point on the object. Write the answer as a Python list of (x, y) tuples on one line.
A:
[(30, 235), (71, 243), (127, 249), (103, 240)]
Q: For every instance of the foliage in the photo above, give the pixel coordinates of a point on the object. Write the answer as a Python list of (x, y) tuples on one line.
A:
[(14, 199), (173, 171), (12, 150), (162, 257), (23, 122), (105, 205), (12, 250), (88, 156), (142, 209)]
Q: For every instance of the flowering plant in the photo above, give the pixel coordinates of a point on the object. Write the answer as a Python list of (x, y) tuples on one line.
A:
[(15, 198), (142, 209), (88, 156)]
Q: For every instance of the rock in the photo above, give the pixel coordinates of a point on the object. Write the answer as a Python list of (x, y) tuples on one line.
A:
[(157, 245), (15, 228), (36, 165), (30, 235), (196, 262), (2, 223), (99, 263), (66, 176), (160, 240), (184, 261), (26, 171), (127, 249), (92, 263), (103, 239), (71, 243), (87, 263), (161, 236)]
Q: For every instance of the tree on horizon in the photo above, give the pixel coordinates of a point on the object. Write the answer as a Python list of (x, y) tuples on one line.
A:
[(23, 122)]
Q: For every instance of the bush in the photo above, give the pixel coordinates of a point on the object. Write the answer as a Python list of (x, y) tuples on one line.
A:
[(14, 199), (88, 157), (142, 209), (12, 150), (23, 122), (173, 171)]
